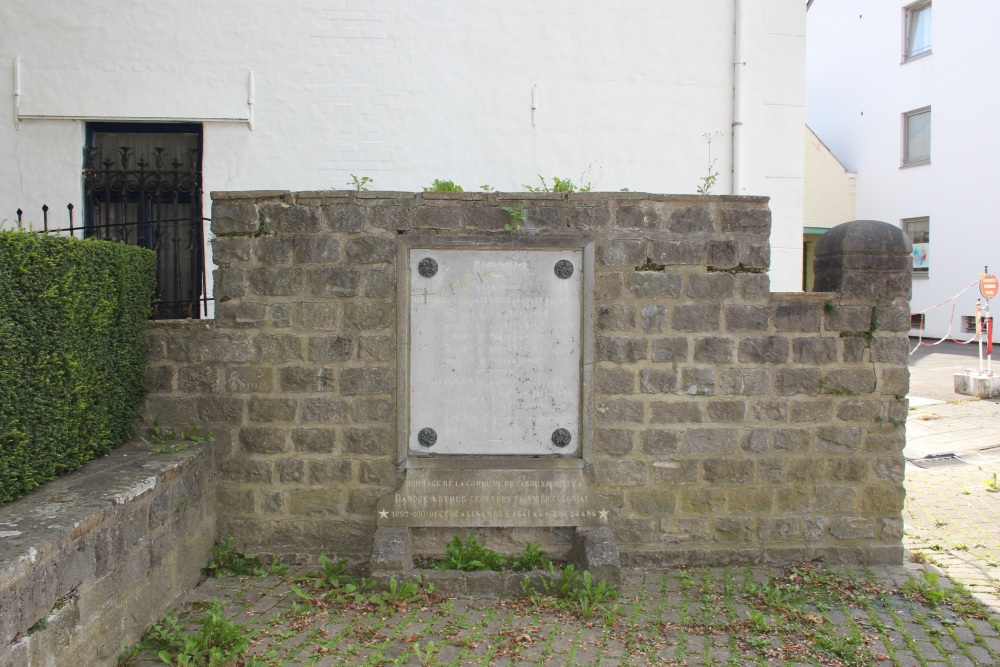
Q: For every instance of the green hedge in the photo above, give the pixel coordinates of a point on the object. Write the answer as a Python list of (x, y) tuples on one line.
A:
[(72, 360)]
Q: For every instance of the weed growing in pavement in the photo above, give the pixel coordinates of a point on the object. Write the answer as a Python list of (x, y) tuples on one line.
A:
[(217, 643), (228, 562), (574, 592), (992, 485), (928, 590), (426, 654)]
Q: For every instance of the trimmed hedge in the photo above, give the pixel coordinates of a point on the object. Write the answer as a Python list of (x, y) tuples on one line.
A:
[(72, 359)]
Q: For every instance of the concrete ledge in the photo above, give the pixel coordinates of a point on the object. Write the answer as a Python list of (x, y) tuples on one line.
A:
[(90, 560), (970, 384)]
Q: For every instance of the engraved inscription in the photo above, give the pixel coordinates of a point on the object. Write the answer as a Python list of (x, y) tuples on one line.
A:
[(495, 351), (493, 498)]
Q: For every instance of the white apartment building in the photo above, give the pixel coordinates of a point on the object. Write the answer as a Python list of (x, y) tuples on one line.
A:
[(301, 95), (903, 95)]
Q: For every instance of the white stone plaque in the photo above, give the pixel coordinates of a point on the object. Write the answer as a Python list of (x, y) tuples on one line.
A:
[(495, 351)]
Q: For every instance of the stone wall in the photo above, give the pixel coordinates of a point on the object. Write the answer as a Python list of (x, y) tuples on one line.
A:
[(730, 423), (90, 560)]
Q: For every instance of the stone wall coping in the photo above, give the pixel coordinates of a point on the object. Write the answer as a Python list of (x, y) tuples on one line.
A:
[(808, 297), (258, 196), (36, 530)]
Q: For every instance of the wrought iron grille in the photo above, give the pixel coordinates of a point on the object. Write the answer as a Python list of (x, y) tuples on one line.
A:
[(144, 188)]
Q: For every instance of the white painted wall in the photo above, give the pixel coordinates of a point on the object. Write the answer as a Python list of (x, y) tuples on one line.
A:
[(406, 91), (829, 187), (857, 90)]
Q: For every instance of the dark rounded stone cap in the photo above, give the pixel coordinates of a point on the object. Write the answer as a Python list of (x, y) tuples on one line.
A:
[(864, 258)]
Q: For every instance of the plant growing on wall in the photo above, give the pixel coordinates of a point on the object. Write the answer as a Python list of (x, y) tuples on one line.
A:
[(360, 183), (708, 180), (517, 217), (443, 186), (558, 185)]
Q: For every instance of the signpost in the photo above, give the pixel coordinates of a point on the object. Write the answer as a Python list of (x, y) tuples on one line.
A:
[(989, 287)]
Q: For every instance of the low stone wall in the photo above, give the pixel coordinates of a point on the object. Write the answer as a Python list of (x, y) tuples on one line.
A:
[(90, 560), (729, 423)]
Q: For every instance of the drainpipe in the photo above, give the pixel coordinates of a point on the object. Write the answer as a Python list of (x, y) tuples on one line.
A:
[(739, 64)]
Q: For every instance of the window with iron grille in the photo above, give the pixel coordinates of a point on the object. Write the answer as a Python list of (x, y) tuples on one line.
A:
[(142, 186), (969, 323), (917, 321)]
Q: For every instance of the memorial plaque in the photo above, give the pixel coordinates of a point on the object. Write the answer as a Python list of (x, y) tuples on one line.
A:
[(495, 351), (470, 498)]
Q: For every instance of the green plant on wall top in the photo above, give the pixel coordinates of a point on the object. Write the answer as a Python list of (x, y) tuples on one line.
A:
[(517, 218), (360, 183), (564, 185), (708, 180), (443, 186)]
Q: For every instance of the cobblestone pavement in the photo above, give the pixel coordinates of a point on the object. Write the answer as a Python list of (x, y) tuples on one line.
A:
[(732, 616), (952, 519)]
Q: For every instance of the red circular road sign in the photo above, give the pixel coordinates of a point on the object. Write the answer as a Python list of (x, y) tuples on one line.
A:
[(989, 286)]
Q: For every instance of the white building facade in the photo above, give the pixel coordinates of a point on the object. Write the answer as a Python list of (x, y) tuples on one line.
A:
[(304, 94), (903, 94)]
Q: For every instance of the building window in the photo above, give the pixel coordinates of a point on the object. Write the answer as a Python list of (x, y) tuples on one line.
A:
[(917, 40), (919, 231), (917, 137), (142, 186), (969, 323), (917, 321)]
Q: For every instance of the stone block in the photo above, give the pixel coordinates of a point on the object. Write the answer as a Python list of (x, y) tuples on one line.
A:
[(233, 249), (588, 217), (675, 472), (849, 318), (655, 442), (883, 499), (654, 284), (847, 469), (316, 250), (727, 471), (371, 410), (393, 217), (617, 317), (731, 529), (890, 468), (838, 439), (617, 442), (619, 412), (290, 470), (745, 381), (764, 350), (771, 411), (673, 253), (370, 250), (614, 380), (218, 347), (614, 472), (756, 440), (895, 381), (330, 410), (747, 318), (323, 316), (781, 529), (642, 218), (608, 286), (849, 381), (234, 219), (263, 439), (698, 381), (275, 282), (654, 502), (277, 348), (635, 531), (331, 471), (670, 350), (392, 552), (330, 283), (331, 348), (739, 220), (654, 318), (656, 381), (362, 501), (369, 441), (274, 250), (713, 350), (727, 411), (280, 218), (853, 350), (697, 317), (852, 528), (314, 440), (771, 471), (813, 412), (791, 381), (722, 254), (595, 550), (814, 350), (376, 348), (798, 317), (369, 314), (621, 350), (675, 412), (620, 252), (380, 283), (754, 286), (685, 531), (266, 410), (437, 217), (313, 502), (712, 441), (711, 286), (793, 440), (860, 410), (895, 350), (246, 470), (341, 217), (306, 379), (218, 410)]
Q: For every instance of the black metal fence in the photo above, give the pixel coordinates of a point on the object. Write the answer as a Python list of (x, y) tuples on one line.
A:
[(179, 241)]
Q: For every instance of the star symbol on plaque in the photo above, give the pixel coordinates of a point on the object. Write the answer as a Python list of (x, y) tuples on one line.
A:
[(604, 515), (382, 514)]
